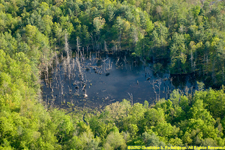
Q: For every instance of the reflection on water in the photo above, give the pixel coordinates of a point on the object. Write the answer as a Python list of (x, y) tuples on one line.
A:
[(98, 79)]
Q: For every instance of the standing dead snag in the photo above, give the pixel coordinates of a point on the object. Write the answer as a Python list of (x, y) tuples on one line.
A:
[(79, 69), (131, 98), (105, 46), (159, 83), (68, 57), (78, 47)]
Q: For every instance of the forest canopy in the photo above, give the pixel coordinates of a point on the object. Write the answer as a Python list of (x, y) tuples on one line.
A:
[(190, 34)]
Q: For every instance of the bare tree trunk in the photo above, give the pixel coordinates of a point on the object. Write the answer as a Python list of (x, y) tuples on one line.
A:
[(191, 61), (68, 55), (105, 46), (92, 42), (223, 74), (131, 98), (120, 40), (64, 66), (46, 69), (78, 47), (159, 83), (83, 51), (203, 70), (87, 50), (213, 70), (194, 66), (96, 45), (90, 56), (79, 69)]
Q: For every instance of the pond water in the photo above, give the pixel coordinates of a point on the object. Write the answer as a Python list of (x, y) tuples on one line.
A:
[(96, 79)]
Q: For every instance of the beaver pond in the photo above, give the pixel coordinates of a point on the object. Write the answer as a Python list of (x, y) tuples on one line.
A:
[(96, 79)]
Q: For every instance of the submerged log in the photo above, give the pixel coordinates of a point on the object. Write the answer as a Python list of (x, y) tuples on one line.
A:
[(84, 87)]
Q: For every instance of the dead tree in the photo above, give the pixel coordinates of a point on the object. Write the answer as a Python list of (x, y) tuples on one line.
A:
[(223, 74), (159, 83), (105, 46), (117, 61), (87, 49), (68, 57), (64, 66), (131, 98), (186, 90), (83, 50), (192, 61), (56, 65), (153, 86), (213, 71), (73, 69), (90, 57), (67, 50), (104, 68), (79, 69), (167, 91)]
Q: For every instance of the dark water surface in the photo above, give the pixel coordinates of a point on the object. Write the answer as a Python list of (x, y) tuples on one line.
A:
[(108, 78)]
